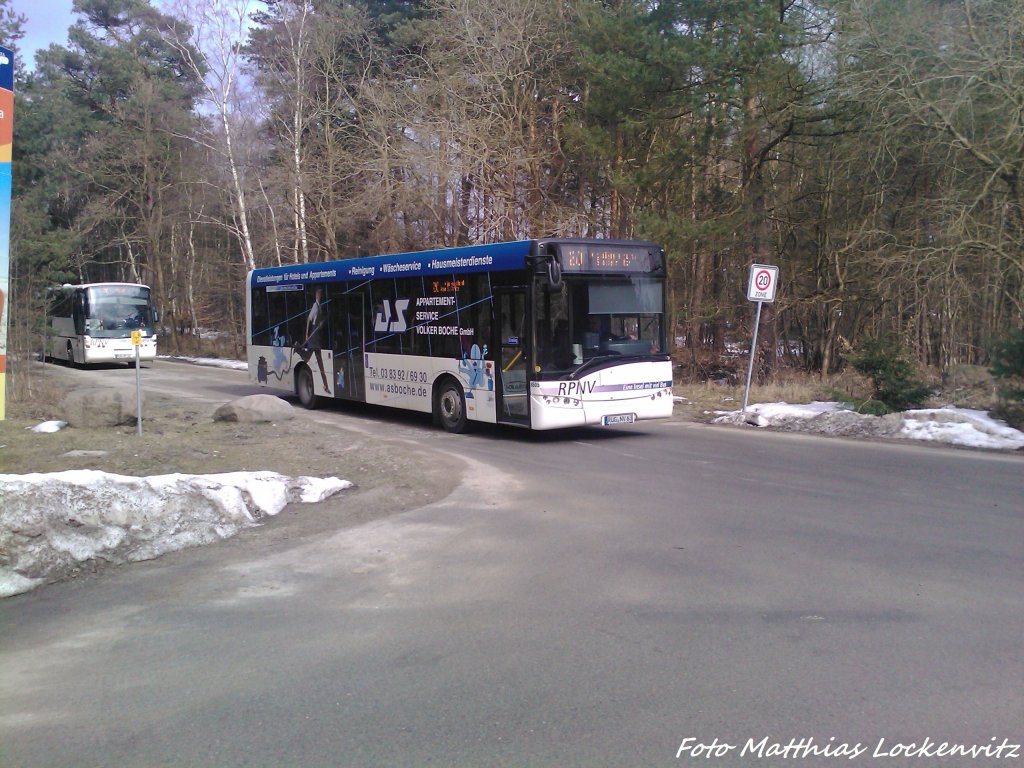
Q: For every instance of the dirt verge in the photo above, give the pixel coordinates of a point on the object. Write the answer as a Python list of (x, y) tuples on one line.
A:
[(182, 437)]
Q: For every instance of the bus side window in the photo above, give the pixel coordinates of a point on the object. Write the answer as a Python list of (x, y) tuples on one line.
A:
[(295, 312), (261, 331), (79, 311)]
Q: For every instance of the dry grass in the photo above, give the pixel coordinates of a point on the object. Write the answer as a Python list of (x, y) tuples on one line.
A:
[(30, 395), (702, 399)]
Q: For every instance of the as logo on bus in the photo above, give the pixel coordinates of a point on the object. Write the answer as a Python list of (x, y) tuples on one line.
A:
[(392, 320)]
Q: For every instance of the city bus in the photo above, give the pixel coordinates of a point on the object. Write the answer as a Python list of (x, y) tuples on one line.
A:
[(93, 323), (542, 334)]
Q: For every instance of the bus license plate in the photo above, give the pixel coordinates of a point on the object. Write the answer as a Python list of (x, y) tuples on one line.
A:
[(620, 418)]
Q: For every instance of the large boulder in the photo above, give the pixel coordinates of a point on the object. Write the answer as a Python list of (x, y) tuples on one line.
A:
[(255, 408), (100, 406)]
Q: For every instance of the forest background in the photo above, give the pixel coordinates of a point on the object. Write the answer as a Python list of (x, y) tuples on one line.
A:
[(872, 149)]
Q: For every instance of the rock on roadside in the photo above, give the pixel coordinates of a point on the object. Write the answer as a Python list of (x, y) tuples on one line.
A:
[(255, 408), (100, 407)]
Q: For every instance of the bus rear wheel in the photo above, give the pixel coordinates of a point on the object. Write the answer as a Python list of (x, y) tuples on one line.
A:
[(451, 407), (304, 388)]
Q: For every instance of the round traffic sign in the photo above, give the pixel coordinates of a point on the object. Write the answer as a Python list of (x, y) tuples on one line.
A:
[(763, 280)]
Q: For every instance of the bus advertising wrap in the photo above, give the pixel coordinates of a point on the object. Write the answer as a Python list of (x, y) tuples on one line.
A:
[(489, 333)]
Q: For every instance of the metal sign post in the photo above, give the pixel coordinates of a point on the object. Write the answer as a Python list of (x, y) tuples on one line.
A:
[(761, 288), (136, 341)]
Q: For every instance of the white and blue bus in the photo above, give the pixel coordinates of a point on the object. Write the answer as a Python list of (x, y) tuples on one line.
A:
[(93, 323), (542, 334)]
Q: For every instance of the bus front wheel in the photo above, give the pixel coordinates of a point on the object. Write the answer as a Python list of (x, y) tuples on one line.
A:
[(304, 388), (451, 407)]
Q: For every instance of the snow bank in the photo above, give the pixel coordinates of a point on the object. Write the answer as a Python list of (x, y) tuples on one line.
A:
[(214, 362), (956, 426), (51, 523), (960, 426)]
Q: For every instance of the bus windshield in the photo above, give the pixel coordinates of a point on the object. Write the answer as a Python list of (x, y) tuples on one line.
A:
[(591, 317), (114, 311)]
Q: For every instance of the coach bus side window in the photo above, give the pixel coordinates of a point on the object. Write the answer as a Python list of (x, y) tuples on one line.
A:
[(293, 315), (474, 302), (61, 306), (79, 311), (414, 341), (408, 289), (383, 317), (260, 322), (434, 336), (296, 314), (277, 317), (316, 330)]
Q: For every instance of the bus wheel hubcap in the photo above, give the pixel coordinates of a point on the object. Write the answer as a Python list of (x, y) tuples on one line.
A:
[(451, 406)]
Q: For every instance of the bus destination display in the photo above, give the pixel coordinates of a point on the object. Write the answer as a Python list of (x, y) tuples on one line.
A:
[(140, 291), (607, 258)]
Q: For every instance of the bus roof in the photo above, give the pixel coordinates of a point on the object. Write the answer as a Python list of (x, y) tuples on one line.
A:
[(469, 258), (75, 286)]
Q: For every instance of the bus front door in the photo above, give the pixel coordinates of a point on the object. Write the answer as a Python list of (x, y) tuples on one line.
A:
[(512, 385)]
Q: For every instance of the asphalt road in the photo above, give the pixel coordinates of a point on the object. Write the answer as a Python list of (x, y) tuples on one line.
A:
[(624, 597)]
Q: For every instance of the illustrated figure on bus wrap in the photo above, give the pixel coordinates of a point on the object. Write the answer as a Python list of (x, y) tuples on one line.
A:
[(313, 344), (475, 370), (279, 364)]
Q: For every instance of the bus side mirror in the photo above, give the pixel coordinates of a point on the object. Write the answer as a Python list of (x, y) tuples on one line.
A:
[(554, 274), (548, 267)]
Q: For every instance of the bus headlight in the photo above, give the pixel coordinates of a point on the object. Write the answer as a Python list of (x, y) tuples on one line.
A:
[(574, 402)]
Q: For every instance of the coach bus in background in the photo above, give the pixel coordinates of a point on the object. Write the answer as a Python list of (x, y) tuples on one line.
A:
[(93, 323), (542, 334)]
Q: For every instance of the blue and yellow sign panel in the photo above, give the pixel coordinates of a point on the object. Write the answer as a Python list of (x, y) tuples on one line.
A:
[(6, 139)]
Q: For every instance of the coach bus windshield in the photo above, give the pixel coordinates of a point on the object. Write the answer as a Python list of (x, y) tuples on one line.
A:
[(114, 311), (592, 317)]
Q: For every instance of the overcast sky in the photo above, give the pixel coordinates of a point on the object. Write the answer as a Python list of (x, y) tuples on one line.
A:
[(48, 22)]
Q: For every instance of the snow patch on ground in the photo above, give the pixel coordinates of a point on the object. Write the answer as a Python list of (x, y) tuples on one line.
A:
[(951, 425), (213, 362), (49, 426), (960, 426), (52, 523)]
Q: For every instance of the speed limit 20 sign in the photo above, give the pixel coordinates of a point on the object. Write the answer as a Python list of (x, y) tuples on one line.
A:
[(763, 279)]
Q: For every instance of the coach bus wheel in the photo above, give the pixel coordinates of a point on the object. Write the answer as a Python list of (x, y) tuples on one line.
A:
[(451, 407), (304, 388)]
